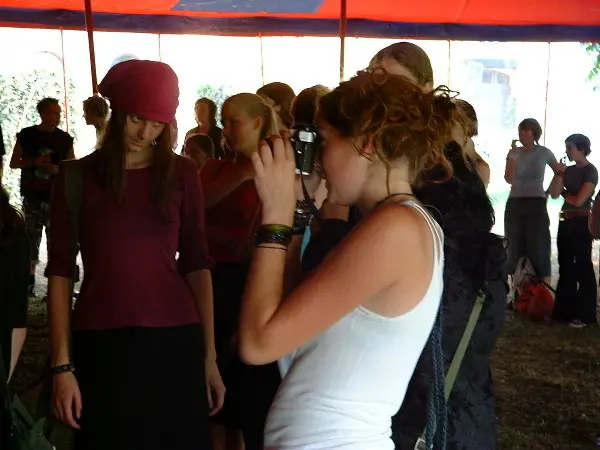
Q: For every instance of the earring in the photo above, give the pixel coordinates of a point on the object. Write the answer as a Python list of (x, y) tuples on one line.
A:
[(154, 143)]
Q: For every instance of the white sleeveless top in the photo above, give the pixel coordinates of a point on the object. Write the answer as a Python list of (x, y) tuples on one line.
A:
[(340, 390)]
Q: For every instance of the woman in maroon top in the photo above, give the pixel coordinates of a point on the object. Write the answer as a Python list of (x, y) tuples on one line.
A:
[(232, 210), (142, 357)]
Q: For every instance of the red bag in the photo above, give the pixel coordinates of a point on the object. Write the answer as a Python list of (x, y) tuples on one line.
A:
[(535, 300)]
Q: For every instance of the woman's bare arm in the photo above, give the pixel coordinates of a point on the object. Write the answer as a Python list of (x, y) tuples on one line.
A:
[(358, 269), (59, 315), (556, 186), (509, 170), (200, 283), (584, 193)]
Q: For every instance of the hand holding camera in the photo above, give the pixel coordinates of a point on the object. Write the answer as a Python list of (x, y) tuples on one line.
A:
[(275, 179)]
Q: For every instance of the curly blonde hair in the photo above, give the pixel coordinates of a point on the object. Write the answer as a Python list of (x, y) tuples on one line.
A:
[(396, 117)]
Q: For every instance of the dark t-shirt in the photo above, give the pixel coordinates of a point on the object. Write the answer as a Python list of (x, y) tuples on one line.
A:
[(131, 275), (574, 178), (55, 146)]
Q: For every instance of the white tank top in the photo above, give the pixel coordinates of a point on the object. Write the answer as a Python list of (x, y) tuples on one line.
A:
[(340, 390)]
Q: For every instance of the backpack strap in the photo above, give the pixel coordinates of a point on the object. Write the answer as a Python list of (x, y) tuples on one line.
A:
[(461, 350), (457, 360)]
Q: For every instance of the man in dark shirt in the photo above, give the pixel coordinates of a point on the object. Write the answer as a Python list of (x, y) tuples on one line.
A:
[(38, 152)]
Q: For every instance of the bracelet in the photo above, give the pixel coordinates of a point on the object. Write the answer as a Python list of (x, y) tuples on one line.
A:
[(272, 246), (273, 234), (57, 370)]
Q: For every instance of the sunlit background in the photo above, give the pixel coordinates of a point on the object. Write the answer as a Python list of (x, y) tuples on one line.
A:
[(505, 82)]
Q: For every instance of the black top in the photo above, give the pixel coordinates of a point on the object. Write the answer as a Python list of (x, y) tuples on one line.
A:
[(14, 279), (473, 257), (54, 147), (574, 178)]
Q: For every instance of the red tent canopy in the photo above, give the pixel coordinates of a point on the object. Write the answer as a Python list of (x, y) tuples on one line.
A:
[(547, 20)]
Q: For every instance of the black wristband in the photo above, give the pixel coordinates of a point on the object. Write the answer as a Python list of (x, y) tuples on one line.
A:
[(274, 234), (57, 370)]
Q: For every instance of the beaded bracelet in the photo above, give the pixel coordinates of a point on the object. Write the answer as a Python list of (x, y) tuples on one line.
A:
[(272, 246), (57, 370), (273, 234)]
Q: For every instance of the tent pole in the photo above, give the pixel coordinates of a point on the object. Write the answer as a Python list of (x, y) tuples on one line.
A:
[(343, 23), (89, 26), (449, 62), (546, 102), (64, 70), (262, 60), (159, 49)]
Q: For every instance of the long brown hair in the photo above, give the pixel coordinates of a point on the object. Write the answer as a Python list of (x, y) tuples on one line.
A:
[(411, 56), (10, 219), (283, 96), (111, 165)]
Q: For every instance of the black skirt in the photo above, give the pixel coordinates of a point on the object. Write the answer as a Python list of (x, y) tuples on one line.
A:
[(250, 389), (142, 389)]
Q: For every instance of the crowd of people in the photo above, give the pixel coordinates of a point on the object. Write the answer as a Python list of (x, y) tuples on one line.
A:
[(219, 309)]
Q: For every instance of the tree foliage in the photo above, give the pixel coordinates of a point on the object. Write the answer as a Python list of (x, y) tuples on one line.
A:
[(19, 94), (593, 48), (216, 94)]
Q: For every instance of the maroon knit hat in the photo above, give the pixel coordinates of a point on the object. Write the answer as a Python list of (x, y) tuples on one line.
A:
[(148, 89)]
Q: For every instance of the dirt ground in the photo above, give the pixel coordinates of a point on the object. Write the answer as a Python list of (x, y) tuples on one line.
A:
[(547, 379)]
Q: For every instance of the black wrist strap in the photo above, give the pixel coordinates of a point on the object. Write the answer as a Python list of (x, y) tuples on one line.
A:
[(57, 370), (308, 199)]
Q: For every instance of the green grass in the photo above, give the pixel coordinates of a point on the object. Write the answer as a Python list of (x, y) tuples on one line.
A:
[(547, 386)]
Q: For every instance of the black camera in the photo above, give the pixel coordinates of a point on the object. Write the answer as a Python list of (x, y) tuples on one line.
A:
[(306, 142)]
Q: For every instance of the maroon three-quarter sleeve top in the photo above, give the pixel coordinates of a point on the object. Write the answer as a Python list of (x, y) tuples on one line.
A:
[(131, 274)]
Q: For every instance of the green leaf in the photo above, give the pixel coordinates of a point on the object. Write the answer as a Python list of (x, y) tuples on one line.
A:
[(593, 48)]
